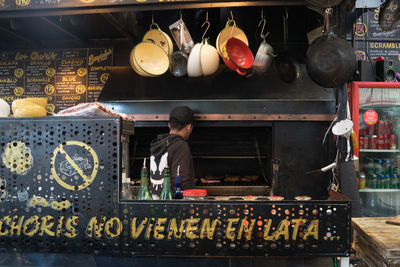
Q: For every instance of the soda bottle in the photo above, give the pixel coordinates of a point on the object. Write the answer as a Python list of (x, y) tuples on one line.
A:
[(144, 192), (386, 182), (374, 179), (380, 182), (166, 192), (379, 167), (388, 167), (395, 181), (177, 188)]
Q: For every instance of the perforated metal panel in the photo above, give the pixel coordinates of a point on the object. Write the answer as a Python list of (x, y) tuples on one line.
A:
[(65, 168)]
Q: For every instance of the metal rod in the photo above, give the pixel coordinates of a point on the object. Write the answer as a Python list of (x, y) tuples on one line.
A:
[(119, 27), (31, 42), (142, 7), (63, 30)]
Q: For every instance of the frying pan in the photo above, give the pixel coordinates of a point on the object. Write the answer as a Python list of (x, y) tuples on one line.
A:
[(286, 65), (331, 61)]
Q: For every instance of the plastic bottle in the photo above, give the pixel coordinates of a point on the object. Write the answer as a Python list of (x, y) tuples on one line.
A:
[(395, 181), (144, 192), (362, 182), (166, 192), (379, 181), (177, 188), (374, 180), (379, 168), (387, 182)]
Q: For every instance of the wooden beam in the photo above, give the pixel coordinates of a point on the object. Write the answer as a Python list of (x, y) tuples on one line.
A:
[(65, 31)]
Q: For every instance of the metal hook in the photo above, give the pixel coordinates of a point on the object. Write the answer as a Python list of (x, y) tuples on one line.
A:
[(208, 26), (180, 15), (286, 15), (152, 17), (263, 21), (230, 11)]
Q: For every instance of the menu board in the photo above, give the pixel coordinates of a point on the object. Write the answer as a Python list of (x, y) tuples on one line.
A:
[(65, 76)]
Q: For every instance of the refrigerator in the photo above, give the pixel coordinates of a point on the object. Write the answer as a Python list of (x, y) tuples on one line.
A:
[(375, 111)]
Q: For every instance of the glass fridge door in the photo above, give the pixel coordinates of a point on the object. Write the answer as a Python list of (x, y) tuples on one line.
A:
[(378, 125)]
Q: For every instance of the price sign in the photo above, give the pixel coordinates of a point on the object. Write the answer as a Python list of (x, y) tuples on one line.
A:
[(370, 117)]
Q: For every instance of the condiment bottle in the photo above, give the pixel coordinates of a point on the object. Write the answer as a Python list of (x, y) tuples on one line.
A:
[(178, 189), (144, 192), (166, 192)]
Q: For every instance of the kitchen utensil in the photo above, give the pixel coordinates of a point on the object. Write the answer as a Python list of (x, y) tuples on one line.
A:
[(265, 52), (181, 35), (230, 30), (331, 61), (237, 56), (193, 64), (389, 15), (322, 170), (179, 59), (344, 128), (286, 65), (160, 38), (136, 68), (151, 58)]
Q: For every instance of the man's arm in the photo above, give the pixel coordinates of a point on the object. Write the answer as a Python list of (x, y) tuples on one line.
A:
[(183, 157)]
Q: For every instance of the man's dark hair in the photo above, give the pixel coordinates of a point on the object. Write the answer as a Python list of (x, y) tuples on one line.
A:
[(180, 117)]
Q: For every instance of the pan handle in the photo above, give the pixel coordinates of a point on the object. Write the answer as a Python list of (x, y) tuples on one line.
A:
[(327, 25), (241, 72)]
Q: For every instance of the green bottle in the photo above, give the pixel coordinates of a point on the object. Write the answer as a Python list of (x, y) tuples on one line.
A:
[(166, 192), (144, 192)]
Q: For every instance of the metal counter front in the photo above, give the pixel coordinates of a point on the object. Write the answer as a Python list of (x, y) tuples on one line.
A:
[(60, 192)]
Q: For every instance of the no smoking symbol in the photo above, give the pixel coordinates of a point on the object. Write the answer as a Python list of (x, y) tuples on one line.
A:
[(72, 172)]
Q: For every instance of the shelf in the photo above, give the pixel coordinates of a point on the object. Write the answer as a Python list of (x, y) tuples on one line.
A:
[(380, 150), (378, 190)]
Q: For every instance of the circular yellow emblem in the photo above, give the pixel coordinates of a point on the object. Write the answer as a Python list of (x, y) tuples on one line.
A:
[(104, 77), (72, 171), (50, 72), (49, 89), (18, 91), (81, 72), (18, 72), (80, 89)]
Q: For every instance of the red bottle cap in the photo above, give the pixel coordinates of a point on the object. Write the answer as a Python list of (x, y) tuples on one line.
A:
[(195, 193)]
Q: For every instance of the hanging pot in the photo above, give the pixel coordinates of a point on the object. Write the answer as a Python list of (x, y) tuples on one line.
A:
[(331, 61), (237, 56), (230, 30)]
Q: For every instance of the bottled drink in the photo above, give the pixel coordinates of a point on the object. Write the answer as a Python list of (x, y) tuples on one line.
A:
[(166, 192), (362, 182), (177, 188), (144, 192), (395, 181), (386, 182), (379, 168), (380, 182), (388, 168), (374, 179)]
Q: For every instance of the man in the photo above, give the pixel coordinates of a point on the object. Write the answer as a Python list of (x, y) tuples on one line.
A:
[(172, 149)]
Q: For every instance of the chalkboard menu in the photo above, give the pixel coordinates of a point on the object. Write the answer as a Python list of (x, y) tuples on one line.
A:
[(65, 76), (371, 41)]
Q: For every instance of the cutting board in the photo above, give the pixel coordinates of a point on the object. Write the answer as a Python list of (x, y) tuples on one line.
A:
[(395, 220)]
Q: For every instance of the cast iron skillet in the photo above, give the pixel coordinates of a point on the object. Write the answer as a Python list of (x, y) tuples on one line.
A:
[(331, 61), (286, 65)]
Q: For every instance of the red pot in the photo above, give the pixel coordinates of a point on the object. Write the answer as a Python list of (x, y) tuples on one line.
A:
[(237, 56)]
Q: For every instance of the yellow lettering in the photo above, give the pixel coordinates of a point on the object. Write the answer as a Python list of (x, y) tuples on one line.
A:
[(244, 227), (31, 230), (283, 229), (173, 229), (44, 227), (102, 57), (208, 230), (69, 79), (16, 226), (7, 220), (312, 230), (191, 227), (60, 225), (95, 226), (135, 232), (159, 228), (70, 226), (117, 229), (45, 56), (148, 229), (267, 230), (297, 223), (230, 229)]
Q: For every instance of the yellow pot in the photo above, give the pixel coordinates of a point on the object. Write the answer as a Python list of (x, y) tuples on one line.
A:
[(29, 110), (231, 30), (135, 66), (160, 38), (150, 58)]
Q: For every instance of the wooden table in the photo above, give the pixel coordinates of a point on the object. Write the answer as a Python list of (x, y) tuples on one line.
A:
[(376, 242)]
